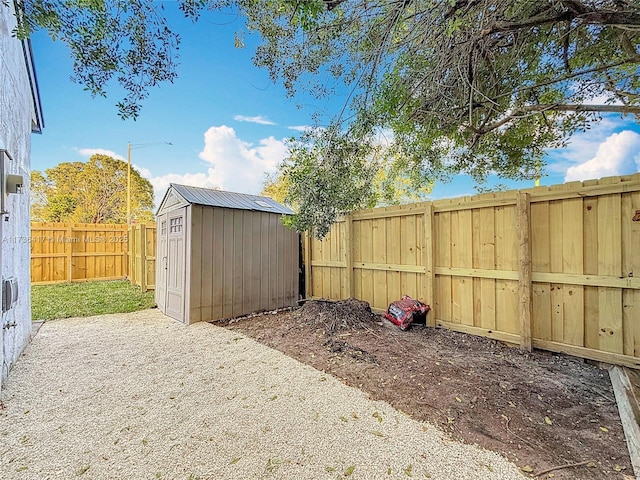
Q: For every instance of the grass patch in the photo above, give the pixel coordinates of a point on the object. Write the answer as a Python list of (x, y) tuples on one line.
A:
[(65, 300)]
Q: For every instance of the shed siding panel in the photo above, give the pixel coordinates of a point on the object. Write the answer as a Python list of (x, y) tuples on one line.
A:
[(249, 292), (256, 264), (217, 235), (207, 261), (264, 261), (273, 262), (228, 250), (197, 271), (280, 255), (240, 262), (186, 291)]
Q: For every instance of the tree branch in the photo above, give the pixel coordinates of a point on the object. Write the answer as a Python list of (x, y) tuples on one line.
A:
[(578, 11), (535, 109), (622, 109)]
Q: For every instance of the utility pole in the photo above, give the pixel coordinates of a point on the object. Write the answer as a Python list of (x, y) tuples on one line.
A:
[(128, 183), (129, 148)]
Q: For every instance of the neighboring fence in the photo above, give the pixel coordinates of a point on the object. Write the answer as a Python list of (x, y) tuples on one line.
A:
[(80, 252), (557, 268), (142, 256), (77, 252)]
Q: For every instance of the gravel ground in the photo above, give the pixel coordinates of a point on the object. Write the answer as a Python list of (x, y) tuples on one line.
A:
[(140, 396)]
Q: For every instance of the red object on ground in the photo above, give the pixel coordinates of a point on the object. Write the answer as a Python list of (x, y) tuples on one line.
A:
[(401, 312)]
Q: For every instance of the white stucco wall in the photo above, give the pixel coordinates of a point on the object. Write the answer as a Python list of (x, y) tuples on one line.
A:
[(16, 113)]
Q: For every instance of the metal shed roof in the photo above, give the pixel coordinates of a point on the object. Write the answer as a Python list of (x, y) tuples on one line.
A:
[(219, 198)]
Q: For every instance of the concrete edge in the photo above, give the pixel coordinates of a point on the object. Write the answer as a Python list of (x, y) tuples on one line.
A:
[(35, 328)]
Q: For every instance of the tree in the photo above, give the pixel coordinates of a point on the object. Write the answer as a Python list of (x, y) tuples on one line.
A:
[(38, 196), (276, 186), (309, 178), (305, 179), (464, 86), (91, 192)]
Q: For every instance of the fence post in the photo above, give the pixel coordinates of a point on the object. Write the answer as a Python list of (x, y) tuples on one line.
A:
[(523, 214), (308, 289), (348, 254), (428, 259), (131, 252), (68, 249), (143, 257)]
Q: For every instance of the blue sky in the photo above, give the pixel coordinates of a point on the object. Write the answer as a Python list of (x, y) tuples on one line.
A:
[(227, 122)]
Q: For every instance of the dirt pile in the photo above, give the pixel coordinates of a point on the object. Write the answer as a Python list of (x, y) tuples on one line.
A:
[(336, 320), (336, 317)]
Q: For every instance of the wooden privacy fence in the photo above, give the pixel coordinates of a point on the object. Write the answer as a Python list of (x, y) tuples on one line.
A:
[(80, 252), (142, 256), (557, 268), (77, 252)]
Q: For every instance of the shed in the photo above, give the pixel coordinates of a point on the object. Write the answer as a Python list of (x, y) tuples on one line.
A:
[(223, 254)]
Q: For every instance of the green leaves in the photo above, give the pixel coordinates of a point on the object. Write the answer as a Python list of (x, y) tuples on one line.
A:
[(306, 13), (128, 42), (461, 87), (91, 192), (328, 175)]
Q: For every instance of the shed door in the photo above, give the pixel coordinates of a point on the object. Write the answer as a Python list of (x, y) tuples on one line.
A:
[(161, 265), (175, 265)]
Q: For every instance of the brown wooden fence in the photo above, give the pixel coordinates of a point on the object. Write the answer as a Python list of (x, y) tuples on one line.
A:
[(142, 256), (553, 267), (77, 252), (80, 252)]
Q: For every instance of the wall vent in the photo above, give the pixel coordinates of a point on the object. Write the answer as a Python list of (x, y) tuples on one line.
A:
[(9, 293)]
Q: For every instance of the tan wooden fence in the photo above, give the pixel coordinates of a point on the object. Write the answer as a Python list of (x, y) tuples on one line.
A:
[(142, 256), (80, 252), (557, 268), (77, 252)]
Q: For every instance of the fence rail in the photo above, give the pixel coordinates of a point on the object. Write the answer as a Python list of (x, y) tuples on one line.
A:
[(557, 268), (80, 252)]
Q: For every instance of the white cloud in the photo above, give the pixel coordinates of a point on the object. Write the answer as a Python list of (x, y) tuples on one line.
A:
[(144, 172), (87, 152), (618, 154), (300, 128), (232, 164), (581, 145), (161, 184), (604, 99), (239, 166), (384, 137), (259, 119)]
